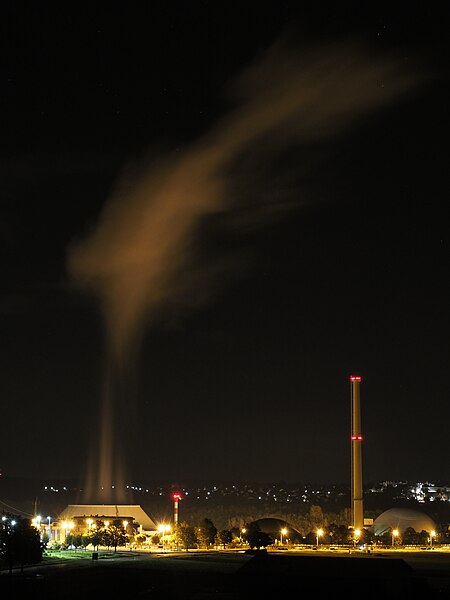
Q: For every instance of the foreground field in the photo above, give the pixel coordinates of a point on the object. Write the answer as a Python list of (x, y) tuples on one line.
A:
[(233, 575)]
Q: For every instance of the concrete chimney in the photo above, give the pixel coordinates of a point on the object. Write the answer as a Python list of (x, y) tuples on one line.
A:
[(356, 439)]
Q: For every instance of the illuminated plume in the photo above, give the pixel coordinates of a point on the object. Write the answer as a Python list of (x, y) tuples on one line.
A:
[(145, 238)]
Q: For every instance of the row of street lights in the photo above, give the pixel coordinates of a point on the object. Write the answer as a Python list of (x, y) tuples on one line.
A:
[(395, 534), (67, 526), (36, 521), (357, 534), (92, 525)]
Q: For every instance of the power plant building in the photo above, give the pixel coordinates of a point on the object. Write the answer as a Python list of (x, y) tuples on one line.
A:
[(81, 515)]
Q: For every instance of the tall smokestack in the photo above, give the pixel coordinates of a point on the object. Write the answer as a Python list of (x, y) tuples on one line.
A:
[(176, 498), (356, 455)]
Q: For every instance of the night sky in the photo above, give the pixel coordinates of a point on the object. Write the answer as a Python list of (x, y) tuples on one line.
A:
[(225, 209)]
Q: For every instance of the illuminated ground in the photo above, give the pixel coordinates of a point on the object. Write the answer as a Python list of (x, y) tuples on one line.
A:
[(235, 575)]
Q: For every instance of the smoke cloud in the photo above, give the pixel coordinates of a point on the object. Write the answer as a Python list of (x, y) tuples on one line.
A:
[(145, 236), (144, 243)]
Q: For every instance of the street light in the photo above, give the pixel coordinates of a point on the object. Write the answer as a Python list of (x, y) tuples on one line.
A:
[(319, 533), (49, 519), (243, 532), (432, 535), (167, 529), (163, 528), (394, 535), (283, 532), (37, 522), (67, 527), (356, 536)]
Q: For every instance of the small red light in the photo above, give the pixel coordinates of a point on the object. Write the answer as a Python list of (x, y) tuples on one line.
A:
[(356, 438), (176, 496), (355, 378), (353, 437)]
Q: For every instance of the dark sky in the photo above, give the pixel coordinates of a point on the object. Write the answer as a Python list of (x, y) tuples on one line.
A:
[(235, 206)]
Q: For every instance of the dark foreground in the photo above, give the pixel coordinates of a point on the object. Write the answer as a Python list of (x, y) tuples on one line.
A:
[(234, 576)]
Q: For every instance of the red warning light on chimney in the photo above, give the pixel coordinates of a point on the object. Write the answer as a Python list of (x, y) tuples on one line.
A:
[(355, 378)]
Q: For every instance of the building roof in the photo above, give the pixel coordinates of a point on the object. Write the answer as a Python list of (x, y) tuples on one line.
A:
[(116, 511), (273, 527), (401, 519)]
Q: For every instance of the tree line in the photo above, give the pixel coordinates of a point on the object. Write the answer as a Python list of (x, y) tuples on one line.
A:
[(20, 542)]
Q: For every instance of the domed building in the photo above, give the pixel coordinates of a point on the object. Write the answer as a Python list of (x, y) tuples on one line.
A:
[(401, 519), (273, 527)]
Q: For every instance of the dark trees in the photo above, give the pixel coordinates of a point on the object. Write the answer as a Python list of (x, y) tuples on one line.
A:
[(257, 538), (20, 543)]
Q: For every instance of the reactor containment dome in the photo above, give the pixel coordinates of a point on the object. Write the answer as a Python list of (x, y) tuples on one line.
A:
[(402, 519)]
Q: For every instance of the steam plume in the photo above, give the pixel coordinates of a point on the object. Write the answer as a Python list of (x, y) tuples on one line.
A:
[(145, 239)]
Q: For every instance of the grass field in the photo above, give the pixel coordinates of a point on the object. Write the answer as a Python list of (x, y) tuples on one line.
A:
[(199, 575)]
